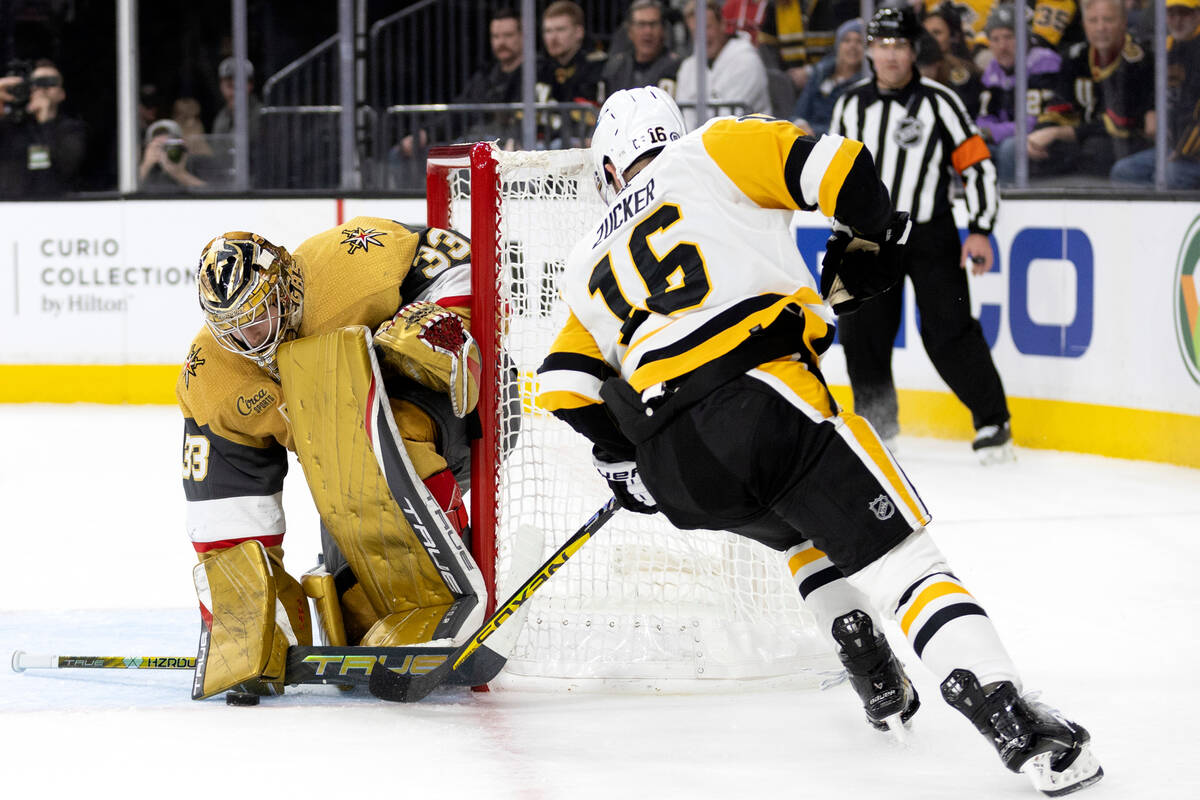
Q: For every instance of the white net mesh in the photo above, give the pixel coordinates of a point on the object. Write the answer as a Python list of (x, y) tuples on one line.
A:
[(642, 605)]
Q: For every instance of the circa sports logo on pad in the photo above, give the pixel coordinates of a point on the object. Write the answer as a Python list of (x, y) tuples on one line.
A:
[(1187, 300)]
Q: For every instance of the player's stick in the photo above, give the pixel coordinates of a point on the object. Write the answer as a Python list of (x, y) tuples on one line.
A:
[(474, 663)]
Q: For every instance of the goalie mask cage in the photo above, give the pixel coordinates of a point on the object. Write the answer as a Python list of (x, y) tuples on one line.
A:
[(643, 606)]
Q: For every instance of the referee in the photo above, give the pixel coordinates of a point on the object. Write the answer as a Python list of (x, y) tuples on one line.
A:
[(919, 134)]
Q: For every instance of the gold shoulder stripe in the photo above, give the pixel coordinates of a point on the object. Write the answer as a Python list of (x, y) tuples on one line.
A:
[(752, 153), (835, 175)]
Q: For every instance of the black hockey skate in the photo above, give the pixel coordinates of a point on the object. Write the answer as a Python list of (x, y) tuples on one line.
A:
[(993, 444), (1029, 736), (874, 671)]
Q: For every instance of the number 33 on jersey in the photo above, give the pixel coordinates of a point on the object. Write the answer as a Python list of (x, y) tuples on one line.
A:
[(685, 264)]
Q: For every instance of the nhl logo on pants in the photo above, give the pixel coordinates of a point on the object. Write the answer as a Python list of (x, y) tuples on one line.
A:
[(882, 507)]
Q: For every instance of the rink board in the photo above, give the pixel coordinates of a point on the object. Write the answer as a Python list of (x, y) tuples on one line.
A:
[(1092, 311)]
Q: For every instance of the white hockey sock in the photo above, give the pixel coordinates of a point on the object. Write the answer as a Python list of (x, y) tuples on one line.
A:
[(944, 624), (825, 592)]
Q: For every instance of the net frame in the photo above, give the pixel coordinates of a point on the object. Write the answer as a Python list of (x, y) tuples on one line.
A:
[(690, 625)]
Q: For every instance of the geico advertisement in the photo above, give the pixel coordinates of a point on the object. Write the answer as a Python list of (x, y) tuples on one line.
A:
[(1086, 302), (111, 282)]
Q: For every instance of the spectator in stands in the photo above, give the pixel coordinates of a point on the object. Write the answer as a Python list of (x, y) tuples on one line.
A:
[(150, 107), (736, 75), (648, 62), (1103, 108), (41, 149), (795, 35), (1183, 106), (744, 16), (567, 74), (1056, 24), (945, 23), (186, 112), (166, 164), (498, 82), (951, 65), (223, 122), (222, 127), (997, 109), (844, 67)]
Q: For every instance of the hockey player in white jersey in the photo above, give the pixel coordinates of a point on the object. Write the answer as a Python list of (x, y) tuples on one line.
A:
[(691, 360)]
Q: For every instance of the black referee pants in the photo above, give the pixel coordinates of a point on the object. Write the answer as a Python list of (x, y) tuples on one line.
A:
[(952, 337)]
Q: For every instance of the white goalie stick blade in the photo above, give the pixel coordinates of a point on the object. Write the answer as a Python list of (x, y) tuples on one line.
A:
[(428, 520), (1081, 773)]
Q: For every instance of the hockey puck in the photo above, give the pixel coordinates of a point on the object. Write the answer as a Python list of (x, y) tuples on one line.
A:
[(241, 699)]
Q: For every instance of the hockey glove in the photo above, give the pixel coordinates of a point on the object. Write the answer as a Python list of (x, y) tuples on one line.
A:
[(626, 485), (430, 345), (858, 267)]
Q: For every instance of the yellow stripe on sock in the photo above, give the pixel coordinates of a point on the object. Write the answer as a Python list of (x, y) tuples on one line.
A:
[(803, 559), (927, 596)]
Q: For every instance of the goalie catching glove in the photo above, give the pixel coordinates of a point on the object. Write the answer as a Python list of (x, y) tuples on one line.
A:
[(430, 345), (857, 267), (626, 485)]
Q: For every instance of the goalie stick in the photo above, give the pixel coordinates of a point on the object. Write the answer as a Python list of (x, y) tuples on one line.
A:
[(346, 666), (473, 662)]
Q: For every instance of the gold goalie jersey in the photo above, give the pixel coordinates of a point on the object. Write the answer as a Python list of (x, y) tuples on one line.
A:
[(696, 255), (236, 429)]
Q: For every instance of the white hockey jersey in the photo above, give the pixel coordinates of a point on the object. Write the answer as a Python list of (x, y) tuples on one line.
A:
[(696, 254)]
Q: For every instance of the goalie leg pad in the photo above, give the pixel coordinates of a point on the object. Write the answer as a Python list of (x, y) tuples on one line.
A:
[(246, 630), (405, 627), (430, 344), (365, 484)]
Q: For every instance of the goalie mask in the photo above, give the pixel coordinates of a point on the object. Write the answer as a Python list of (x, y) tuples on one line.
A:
[(632, 123), (252, 295)]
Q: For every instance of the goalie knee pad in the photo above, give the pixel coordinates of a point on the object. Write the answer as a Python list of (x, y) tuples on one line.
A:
[(247, 623)]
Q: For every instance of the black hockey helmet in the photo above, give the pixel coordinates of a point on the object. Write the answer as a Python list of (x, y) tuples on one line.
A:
[(894, 23)]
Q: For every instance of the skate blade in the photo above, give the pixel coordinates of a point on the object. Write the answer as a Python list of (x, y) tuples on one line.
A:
[(1003, 454), (899, 731), (1082, 773)]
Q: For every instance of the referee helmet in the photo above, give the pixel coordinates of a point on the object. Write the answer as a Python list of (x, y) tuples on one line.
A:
[(894, 23)]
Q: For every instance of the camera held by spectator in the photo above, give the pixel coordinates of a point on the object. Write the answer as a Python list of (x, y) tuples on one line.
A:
[(165, 161), (41, 150), (16, 92)]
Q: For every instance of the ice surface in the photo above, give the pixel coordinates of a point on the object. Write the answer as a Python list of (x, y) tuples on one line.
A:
[(1087, 565)]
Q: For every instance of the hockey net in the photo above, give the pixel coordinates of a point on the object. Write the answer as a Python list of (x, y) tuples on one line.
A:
[(643, 606)]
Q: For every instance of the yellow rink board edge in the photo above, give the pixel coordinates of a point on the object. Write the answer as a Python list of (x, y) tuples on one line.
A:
[(1041, 424)]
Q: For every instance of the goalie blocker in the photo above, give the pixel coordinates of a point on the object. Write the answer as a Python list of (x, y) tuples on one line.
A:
[(416, 577)]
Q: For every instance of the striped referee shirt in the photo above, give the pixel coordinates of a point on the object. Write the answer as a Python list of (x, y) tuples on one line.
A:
[(919, 136)]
